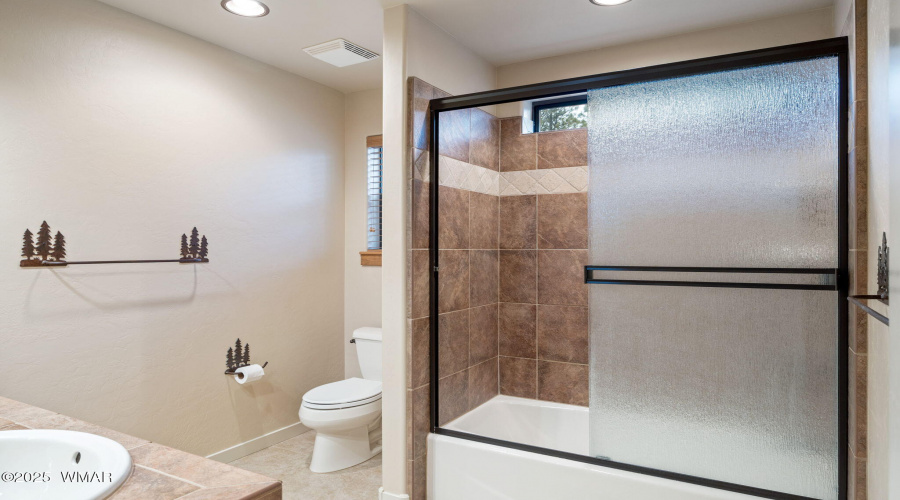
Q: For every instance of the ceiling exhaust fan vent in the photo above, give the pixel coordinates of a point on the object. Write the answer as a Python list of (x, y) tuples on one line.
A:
[(340, 53)]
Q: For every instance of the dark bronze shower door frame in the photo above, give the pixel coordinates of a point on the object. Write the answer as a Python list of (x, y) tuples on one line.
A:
[(830, 47)]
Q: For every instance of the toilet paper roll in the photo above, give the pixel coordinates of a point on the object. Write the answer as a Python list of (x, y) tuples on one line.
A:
[(249, 373)]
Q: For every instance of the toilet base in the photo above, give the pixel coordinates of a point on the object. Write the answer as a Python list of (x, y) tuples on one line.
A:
[(338, 450)]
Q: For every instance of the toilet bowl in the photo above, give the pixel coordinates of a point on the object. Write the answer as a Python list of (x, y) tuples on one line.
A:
[(346, 415)]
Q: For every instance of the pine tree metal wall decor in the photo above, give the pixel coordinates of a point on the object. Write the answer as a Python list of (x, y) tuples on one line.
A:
[(197, 250), (883, 255), (50, 251), (883, 285), (46, 250), (238, 356)]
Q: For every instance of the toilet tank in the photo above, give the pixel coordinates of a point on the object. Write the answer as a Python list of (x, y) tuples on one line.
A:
[(368, 351)]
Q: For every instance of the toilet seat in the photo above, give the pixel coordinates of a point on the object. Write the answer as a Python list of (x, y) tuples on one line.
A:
[(343, 394)]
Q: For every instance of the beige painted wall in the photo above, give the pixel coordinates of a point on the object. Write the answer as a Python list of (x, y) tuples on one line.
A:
[(880, 391), (784, 30), (394, 243), (892, 472), (439, 59), (842, 10), (124, 134), (413, 46), (362, 285)]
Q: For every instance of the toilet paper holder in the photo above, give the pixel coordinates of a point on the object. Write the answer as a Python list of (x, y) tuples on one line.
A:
[(232, 371), (237, 357)]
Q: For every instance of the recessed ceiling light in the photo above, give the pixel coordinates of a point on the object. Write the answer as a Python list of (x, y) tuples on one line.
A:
[(246, 8), (607, 3)]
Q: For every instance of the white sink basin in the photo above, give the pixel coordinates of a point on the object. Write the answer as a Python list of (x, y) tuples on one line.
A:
[(48, 464)]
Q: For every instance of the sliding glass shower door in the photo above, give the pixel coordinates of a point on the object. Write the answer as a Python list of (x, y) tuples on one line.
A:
[(714, 310)]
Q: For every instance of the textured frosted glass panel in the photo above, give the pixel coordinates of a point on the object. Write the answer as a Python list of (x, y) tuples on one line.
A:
[(734, 169), (737, 385), (729, 169)]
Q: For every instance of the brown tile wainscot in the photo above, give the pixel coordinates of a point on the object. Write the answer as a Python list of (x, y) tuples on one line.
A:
[(159, 472)]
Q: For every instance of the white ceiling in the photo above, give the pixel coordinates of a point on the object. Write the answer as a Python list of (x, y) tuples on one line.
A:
[(501, 31), (508, 31), (279, 38)]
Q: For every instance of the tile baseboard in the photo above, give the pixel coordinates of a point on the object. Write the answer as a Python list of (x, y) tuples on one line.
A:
[(384, 495), (258, 443)]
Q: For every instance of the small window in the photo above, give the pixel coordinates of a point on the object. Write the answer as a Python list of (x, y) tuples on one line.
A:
[(560, 114), (372, 255)]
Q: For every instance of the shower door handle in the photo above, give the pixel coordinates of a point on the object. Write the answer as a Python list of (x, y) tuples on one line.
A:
[(818, 279)]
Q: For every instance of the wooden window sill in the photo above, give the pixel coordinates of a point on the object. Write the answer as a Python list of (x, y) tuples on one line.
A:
[(370, 258)]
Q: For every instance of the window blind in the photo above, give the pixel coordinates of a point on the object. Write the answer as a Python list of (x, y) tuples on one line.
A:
[(375, 170)]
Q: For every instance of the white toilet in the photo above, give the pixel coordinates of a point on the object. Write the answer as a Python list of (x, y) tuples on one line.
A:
[(346, 415)]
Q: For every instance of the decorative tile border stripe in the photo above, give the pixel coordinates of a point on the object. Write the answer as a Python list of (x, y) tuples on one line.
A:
[(462, 175), (544, 181)]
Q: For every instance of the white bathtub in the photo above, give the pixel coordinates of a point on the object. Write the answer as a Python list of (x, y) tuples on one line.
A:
[(464, 469)]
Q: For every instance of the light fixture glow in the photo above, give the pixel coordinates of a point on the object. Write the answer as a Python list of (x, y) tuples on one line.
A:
[(607, 3), (245, 8)]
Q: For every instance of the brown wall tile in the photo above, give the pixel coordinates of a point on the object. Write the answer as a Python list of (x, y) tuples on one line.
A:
[(518, 377), (420, 214), (453, 291), (562, 220), (453, 337), (860, 201), (453, 392), (518, 222), (858, 401), (420, 95), (517, 151), (518, 275), (453, 214), (563, 333), (421, 420), (454, 134), (566, 148), (858, 206), (420, 278), (484, 144), (409, 423), (858, 331), (518, 330), (420, 338), (485, 269), (419, 479), (483, 382), (563, 383), (482, 334), (440, 94), (856, 487), (560, 277), (859, 272), (484, 220)]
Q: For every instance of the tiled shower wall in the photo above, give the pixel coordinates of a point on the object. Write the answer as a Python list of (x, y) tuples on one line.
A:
[(543, 250), (856, 27), (513, 239), (469, 259)]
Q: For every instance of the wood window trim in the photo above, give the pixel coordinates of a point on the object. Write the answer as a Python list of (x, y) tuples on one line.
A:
[(372, 257), (374, 141)]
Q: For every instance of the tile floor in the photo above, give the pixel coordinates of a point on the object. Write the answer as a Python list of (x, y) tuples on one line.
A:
[(289, 462)]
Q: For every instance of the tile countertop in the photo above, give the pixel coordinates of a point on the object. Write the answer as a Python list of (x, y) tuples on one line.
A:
[(159, 472)]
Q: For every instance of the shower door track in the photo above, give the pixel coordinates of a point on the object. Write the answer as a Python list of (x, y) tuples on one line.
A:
[(836, 47)]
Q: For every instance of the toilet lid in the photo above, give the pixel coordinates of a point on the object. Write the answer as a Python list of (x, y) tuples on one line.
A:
[(352, 390)]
